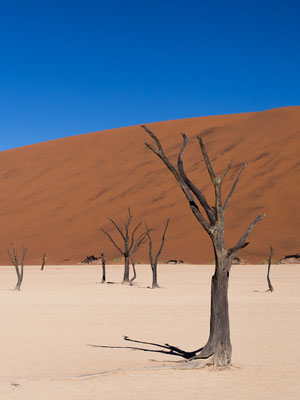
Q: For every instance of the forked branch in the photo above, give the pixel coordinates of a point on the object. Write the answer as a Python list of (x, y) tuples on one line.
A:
[(226, 172), (184, 187), (117, 227), (234, 186), (202, 200), (207, 162), (242, 242)]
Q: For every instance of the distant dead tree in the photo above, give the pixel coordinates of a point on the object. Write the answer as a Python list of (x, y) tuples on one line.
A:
[(19, 268), (131, 245), (218, 348), (43, 262), (102, 258), (154, 260), (268, 273)]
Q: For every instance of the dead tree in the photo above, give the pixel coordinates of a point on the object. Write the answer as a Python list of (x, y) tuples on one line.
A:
[(268, 273), (218, 348), (131, 245), (102, 258), (43, 262), (154, 260), (19, 268)]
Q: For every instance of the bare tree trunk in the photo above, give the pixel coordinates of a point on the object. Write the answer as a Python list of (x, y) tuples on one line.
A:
[(102, 258), (126, 279), (19, 283), (218, 345), (43, 262), (103, 272), (154, 277), (269, 268), (154, 261)]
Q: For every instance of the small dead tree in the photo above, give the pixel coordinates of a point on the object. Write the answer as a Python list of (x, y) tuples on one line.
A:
[(102, 258), (154, 260), (268, 273), (43, 262), (218, 348), (19, 268), (131, 245)]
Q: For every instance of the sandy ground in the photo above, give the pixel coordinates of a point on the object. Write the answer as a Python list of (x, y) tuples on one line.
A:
[(48, 327)]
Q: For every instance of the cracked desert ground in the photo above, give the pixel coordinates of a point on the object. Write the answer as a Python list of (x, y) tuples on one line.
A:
[(48, 328)]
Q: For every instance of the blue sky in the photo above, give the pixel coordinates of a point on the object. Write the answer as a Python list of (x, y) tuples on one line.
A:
[(71, 67)]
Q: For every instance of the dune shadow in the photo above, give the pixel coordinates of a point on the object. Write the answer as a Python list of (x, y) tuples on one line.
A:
[(156, 348)]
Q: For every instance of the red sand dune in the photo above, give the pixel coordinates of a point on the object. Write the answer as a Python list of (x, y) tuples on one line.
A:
[(55, 196)]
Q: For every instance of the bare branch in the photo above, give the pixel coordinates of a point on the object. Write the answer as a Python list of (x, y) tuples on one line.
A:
[(129, 215), (117, 227), (24, 254), (159, 146), (112, 240), (129, 218), (226, 172), (236, 249), (13, 261), (234, 186), (194, 207), (140, 240), (162, 241), (207, 161), (209, 212), (132, 236), (242, 241), (150, 244)]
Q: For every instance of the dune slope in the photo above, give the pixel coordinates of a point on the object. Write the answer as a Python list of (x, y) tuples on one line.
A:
[(55, 196)]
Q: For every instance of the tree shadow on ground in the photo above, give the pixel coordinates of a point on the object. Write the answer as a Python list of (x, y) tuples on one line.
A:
[(163, 348)]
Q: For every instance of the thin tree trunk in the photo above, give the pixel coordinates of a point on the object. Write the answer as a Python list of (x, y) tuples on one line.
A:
[(43, 262), (126, 279), (269, 268), (103, 272), (154, 261), (154, 277), (18, 285)]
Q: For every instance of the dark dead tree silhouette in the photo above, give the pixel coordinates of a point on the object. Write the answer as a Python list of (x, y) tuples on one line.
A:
[(102, 258), (131, 245), (43, 262), (218, 349), (268, 273), (154, 260), (15, 261)]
